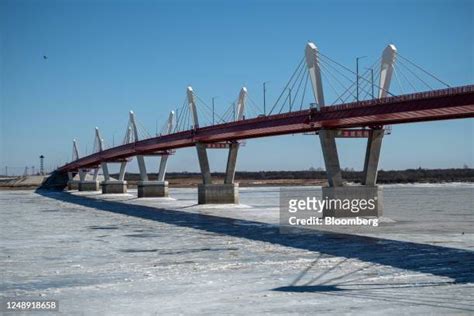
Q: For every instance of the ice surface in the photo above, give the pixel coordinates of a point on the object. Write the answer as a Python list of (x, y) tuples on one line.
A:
[(119, 255)]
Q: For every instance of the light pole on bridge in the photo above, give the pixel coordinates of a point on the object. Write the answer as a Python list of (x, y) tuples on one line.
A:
[(289, 98), (357, 77), (213, 110), (371, 81), (264, 97)]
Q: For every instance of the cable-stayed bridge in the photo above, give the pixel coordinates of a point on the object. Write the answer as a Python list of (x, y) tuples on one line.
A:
[(394, 90)]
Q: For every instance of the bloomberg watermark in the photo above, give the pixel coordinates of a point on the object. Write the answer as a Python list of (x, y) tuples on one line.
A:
[(306, 208)]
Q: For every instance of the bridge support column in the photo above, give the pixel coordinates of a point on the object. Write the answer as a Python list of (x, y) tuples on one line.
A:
[(71, 183), (114, 186), (89, 185), (372, 155), (204, 163), (354, 200), (343, 200), (225, 193), (331, 158), (156, 188), (145, 187), (228, 192)]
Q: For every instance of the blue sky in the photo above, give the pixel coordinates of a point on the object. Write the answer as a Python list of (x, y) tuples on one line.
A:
[(108, 57)]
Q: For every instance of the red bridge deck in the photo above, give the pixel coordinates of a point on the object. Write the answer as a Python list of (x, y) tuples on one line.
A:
[(444, 104)]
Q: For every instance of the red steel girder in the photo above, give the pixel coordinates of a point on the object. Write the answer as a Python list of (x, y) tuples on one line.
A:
[(444, 104)]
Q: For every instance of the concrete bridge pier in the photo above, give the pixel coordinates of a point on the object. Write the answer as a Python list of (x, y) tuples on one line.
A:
[(89, 185), (213, 193), (352, 200), (71, 183), (145, 187), (159, 188), (110, 186), (114, 187), (83, 184), (222, 193), (153, 189)]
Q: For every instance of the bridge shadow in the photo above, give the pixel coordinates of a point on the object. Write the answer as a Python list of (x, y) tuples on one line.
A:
[(360, 283), (430, 259)]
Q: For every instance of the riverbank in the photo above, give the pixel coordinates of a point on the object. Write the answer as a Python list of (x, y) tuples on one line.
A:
[(277, 178)]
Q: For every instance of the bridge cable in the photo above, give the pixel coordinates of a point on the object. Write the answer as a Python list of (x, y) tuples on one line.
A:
[(414, 74), (299, 88), (258, 108), (337, 70), (181, 114), (397, 71), (251, 108), (228, 113), (329, 82), (207, 107), (363, 86), (327, 71), (288, 83), (304, 90), (376, 79), (426, 72), (288, 97), (295, 98), (360, 76), (368, 84), (325, 67)]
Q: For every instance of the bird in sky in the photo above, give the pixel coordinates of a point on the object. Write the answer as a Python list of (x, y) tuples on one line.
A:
[(45, 57)]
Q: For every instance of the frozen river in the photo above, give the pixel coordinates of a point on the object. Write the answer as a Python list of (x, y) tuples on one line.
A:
[(116, 254)]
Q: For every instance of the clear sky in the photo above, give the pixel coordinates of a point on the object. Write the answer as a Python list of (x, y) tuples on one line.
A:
[(105, 58)]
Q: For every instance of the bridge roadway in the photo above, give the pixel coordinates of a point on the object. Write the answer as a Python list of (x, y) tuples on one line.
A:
[(443, 104)]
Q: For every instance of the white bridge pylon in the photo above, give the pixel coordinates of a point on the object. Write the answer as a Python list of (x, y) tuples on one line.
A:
[(81, 171), (141, 158), (131, 136), (312, 62), (389, 57), (164, 158), (206, 193), (75, 156), (192, 107), (327, 136), (100, 141)]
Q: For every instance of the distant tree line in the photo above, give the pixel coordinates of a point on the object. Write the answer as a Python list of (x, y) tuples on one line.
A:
[(392, 176)]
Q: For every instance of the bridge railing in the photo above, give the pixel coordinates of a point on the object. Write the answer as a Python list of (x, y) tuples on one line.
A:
[(402, 98), (185, 138)]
